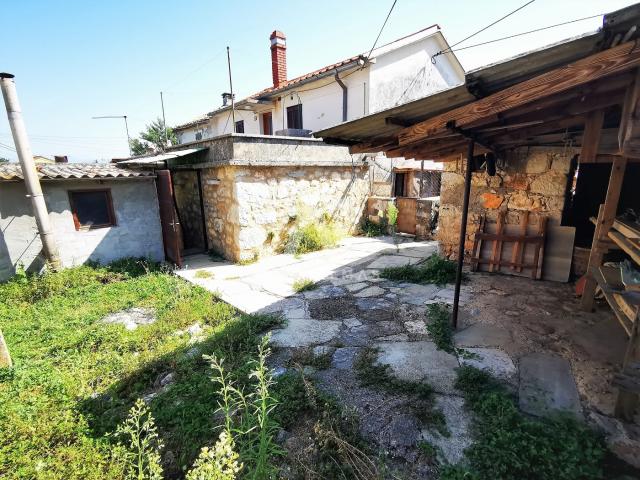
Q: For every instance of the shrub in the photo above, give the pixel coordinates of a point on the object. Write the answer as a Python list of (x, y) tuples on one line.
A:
[(311, 237), (304, 284), (439, 327), (435, 269), (372, 229)]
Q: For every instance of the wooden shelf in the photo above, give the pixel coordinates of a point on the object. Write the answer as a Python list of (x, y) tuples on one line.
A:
[(609, 290), (629, 247)]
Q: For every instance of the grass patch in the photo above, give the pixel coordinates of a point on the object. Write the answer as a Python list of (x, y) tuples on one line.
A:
[(249, 261), (203, 274), (75, 378), (313, 236), (435, 269), (439, 327), (372, 374), (372, 229), (510, 446), (337, 450), (304, 284)]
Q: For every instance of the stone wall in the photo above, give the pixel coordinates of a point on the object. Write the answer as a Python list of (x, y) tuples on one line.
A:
[(534, 179), (250, 209)]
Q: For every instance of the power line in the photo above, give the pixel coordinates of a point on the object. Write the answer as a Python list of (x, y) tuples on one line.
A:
[(527, 32), (383, 25), (447, 50), (7, 147)]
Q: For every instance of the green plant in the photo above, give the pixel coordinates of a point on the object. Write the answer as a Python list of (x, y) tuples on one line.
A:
[(434, 270), (392, 214), (219, 463), (372, 229), (203, 274), (509, 446), (140, 444), (428, 450), (312, 235), (248, 418), (304, 284), (439, 327), (249, 260)]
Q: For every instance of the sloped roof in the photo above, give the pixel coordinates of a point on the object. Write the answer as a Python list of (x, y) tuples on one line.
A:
[(13, 171)]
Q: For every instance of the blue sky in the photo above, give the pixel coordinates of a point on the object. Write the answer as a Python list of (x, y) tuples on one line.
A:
[(78, 59)]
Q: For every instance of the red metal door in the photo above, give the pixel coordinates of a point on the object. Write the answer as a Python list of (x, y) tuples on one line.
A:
[(171, 233)]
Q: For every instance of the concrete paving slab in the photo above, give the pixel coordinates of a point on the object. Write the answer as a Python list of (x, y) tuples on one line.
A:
[(354, 287), (492, 360), (417, 294), (483, 335), (387, 261), (303, 332), (373, 291), (547, 386), (374, 303), (420, 362), (344, 357), (325, 291), (458, 421)]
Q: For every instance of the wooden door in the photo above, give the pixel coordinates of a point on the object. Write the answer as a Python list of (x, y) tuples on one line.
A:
[(171, 233), (267, 124), (407, 208)]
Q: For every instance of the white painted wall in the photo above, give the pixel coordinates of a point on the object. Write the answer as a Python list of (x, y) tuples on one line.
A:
[(402, 72)]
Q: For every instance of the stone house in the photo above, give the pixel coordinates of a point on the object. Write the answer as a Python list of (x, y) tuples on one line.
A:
[(98, 213), (240, 195)]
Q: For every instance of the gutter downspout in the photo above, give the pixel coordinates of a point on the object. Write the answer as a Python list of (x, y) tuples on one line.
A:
[(29, 172), (344, 96)]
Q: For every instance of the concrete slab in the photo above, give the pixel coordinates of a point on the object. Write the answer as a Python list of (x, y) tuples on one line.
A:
[(354, 287), (302, 332), (417, 294), (483, 335), (343, 358), (373, 291), (387, 261), (547, 386), (458, 421), (420, 362), (492, 360), (325, 291), (374, 304)]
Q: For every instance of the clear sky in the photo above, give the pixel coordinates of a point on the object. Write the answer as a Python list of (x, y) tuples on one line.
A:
[(78, 59)]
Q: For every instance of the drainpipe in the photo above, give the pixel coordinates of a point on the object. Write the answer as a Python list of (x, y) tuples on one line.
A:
[(31, 180), (344, 97)]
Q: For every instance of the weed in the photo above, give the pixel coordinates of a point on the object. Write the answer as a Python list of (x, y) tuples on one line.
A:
[(372, 229), (304, 284), (203, 274), (140, 451), (250, 260), (509, 446), (392, 214), (439, 327), (428, 450), (310, 236), (372, 374), (434, 270), (219, 463)]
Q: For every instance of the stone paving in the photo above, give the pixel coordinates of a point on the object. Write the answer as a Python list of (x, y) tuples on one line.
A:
[(353, 308)]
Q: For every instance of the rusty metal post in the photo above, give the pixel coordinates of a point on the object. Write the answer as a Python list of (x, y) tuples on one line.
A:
[(463, 231), (29, 173)]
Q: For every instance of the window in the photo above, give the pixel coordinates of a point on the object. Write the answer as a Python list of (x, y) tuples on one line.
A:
[(92, 209), (267, 124), (240, 126), (294, 116), (198, 135)]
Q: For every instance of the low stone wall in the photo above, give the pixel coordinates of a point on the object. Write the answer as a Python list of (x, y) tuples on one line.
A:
[(534, 179), (250, 210), (426, 217)]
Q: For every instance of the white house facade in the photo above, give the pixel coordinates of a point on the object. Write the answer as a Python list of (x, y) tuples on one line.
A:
[(395, 73)]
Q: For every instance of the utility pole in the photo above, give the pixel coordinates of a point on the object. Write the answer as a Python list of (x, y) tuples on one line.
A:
[(164, 122), (233, 105), (31, 180)]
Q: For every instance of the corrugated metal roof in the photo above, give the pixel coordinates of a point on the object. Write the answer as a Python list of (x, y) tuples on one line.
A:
[(162, 157), (13, 171)]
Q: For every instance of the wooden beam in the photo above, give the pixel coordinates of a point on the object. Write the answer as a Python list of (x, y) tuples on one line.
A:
[(397, 121), (591, 137), (373, 146), (614, 60), (606, 216), (629, 136)]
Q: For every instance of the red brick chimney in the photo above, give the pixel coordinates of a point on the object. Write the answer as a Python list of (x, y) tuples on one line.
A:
[(278, 58)]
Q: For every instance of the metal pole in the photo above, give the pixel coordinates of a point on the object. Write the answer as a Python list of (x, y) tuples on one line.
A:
[(31, 180), (126, 126), (463, 231), (233, 105), (164, 122)]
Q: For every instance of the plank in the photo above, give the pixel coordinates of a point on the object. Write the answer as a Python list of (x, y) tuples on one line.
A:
[(627, 228), (477, 244), (517, 249), (538, 254), (629, 134), (608, 62), (608, 292), (497, 243), (591, 137), (626, 245)]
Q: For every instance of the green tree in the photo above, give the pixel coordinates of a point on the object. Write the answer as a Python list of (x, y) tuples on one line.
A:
[(4, 160), (153, 139)]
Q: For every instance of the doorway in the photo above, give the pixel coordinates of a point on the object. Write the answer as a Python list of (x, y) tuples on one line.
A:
[(267, 123), (189, 205)]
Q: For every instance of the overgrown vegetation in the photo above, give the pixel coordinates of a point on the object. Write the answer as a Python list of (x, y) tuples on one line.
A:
[(435, 269), (376, 375), (439, 327), (509, 446), (310, 235), (75, 378), (336, 450), (303, 285), (372, 229), (203, 274)]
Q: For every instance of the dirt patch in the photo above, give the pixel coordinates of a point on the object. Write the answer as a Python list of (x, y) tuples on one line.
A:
[(332, 308)]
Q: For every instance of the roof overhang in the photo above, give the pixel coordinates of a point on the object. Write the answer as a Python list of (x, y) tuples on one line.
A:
[(160, 160)]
